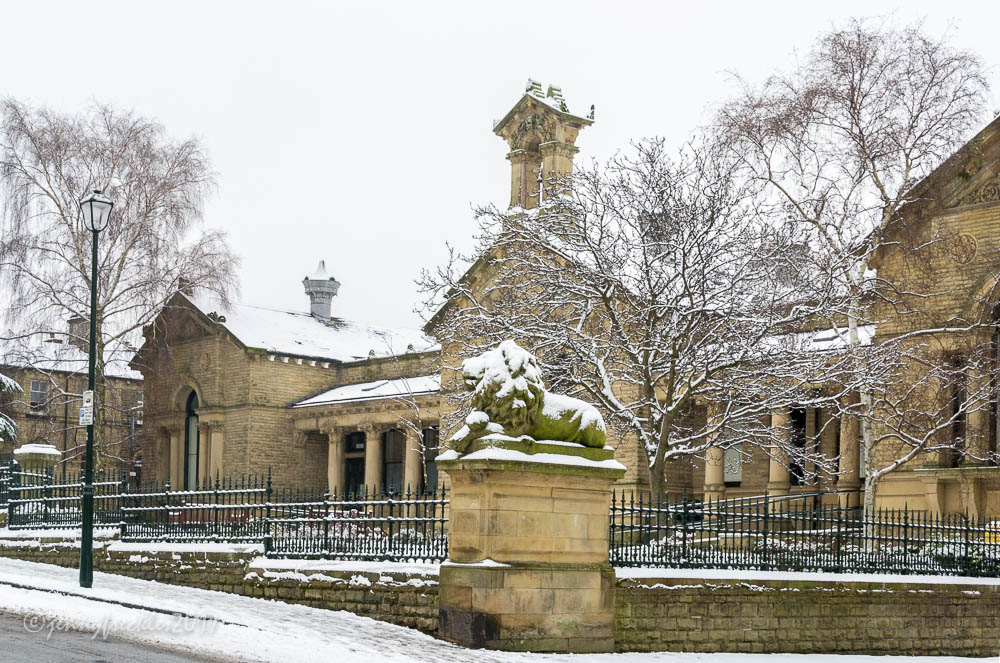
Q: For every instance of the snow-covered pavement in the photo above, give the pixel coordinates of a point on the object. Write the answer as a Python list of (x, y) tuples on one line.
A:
[(237, 628)]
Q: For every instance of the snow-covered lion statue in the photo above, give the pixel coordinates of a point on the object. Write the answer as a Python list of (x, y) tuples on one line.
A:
[(509, 399)]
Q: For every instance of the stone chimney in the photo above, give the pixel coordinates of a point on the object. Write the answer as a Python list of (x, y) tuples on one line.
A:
[(321, 288), (79, 333)]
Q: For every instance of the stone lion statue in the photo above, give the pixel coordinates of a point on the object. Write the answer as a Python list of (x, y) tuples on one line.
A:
[(509, 399)]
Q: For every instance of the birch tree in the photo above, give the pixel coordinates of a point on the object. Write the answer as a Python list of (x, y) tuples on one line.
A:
[(650, 287), (153, 245), (836, 146)]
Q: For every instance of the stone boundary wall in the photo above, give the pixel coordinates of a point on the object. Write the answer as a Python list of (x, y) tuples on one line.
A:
[(794, 616), (403, 598), (682, 614)]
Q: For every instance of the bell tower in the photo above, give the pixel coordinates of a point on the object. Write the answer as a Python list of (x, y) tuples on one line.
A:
[(541, 134)]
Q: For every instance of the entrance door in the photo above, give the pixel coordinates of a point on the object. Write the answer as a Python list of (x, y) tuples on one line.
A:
[(354, 475)]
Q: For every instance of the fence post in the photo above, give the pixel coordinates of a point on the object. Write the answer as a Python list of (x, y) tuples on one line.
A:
[(767, 517), (215, 506), (326, 522), (47, 481), (122, 502), (684, 529), (968, 558), (267, 514), (13, 491)]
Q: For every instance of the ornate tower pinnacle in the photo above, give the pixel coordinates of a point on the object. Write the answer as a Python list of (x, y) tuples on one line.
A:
[(541, 133)]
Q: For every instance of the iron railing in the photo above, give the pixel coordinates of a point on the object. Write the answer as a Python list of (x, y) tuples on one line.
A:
[(798, 533), (41, 498), (384, 526), (289, 522)]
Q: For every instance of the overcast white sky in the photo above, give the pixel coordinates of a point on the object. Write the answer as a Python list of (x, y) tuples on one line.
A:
[(361, 133)]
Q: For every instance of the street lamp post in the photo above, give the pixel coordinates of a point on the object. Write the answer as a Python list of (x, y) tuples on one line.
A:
[(96, 212)]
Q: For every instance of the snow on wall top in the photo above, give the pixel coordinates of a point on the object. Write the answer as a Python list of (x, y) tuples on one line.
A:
[(52, 352), (399, 387), (302, 335)]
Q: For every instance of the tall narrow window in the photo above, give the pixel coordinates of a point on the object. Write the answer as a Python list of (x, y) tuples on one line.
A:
[(39, 397), (952, 456), (393, 455), (432, 438), (191, 443), (796, 455)]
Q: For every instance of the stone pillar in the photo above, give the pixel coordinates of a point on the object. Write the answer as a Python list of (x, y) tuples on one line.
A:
[(977, 428), (413, 463), (528, 568), (557, 158), (781, 433), (829, 430), (715, 463), (373, 460), (217, 448), (204, 453), (335, 461), (524, 178), (850, 453), (176, 460)]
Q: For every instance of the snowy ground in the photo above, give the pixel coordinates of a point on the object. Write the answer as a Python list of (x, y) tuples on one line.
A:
[(235, 628)]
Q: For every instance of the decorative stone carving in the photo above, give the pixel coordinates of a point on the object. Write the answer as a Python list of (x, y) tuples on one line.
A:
[(963, 249), (510, 404), (988, 192)]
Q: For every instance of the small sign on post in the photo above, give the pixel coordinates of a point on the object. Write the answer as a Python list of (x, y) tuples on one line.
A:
[(87, 411)]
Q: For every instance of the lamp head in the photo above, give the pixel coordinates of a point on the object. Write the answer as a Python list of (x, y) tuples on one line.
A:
[(96, 210)]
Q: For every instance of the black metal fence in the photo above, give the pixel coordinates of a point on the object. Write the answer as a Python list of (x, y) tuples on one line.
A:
[(363, 526), (798, 533), (44, 498), (291, 523)]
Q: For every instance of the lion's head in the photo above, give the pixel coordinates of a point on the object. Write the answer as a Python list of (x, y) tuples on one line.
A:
[(507, 385)]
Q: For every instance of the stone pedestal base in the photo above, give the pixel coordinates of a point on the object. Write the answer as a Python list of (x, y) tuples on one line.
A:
[(528, 607), (528, 548)]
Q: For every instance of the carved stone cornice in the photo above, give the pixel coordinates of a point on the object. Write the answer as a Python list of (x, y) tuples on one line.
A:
[(987, 192)]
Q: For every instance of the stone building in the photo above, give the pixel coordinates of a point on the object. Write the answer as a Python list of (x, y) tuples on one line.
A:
[(320, 400), (314, 399), (958, 203), (51, 368)]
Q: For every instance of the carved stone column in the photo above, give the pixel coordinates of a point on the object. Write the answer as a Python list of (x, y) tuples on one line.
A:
[(413, 462), (373, 459), (335, 461), (777, 476), (715, 464), (176, 459), (977, 430), (524, 178), (850, 453)]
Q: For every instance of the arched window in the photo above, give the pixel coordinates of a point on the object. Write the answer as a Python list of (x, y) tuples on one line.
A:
[(191, 443)]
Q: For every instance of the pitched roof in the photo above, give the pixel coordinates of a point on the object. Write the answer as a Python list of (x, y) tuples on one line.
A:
[(51, 352), (304, 335), (366, 391)]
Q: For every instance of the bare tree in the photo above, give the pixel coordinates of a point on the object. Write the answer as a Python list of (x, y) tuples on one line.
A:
[(836, 147), (151, 248), (651, 287)]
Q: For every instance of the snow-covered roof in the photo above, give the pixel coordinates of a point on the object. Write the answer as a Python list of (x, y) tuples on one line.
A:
[(52, 352), (304, 335), (826, 340), (365, 391)]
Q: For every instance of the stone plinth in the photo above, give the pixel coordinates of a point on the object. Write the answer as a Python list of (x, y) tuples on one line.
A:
[(528, 541), (37, 456)]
